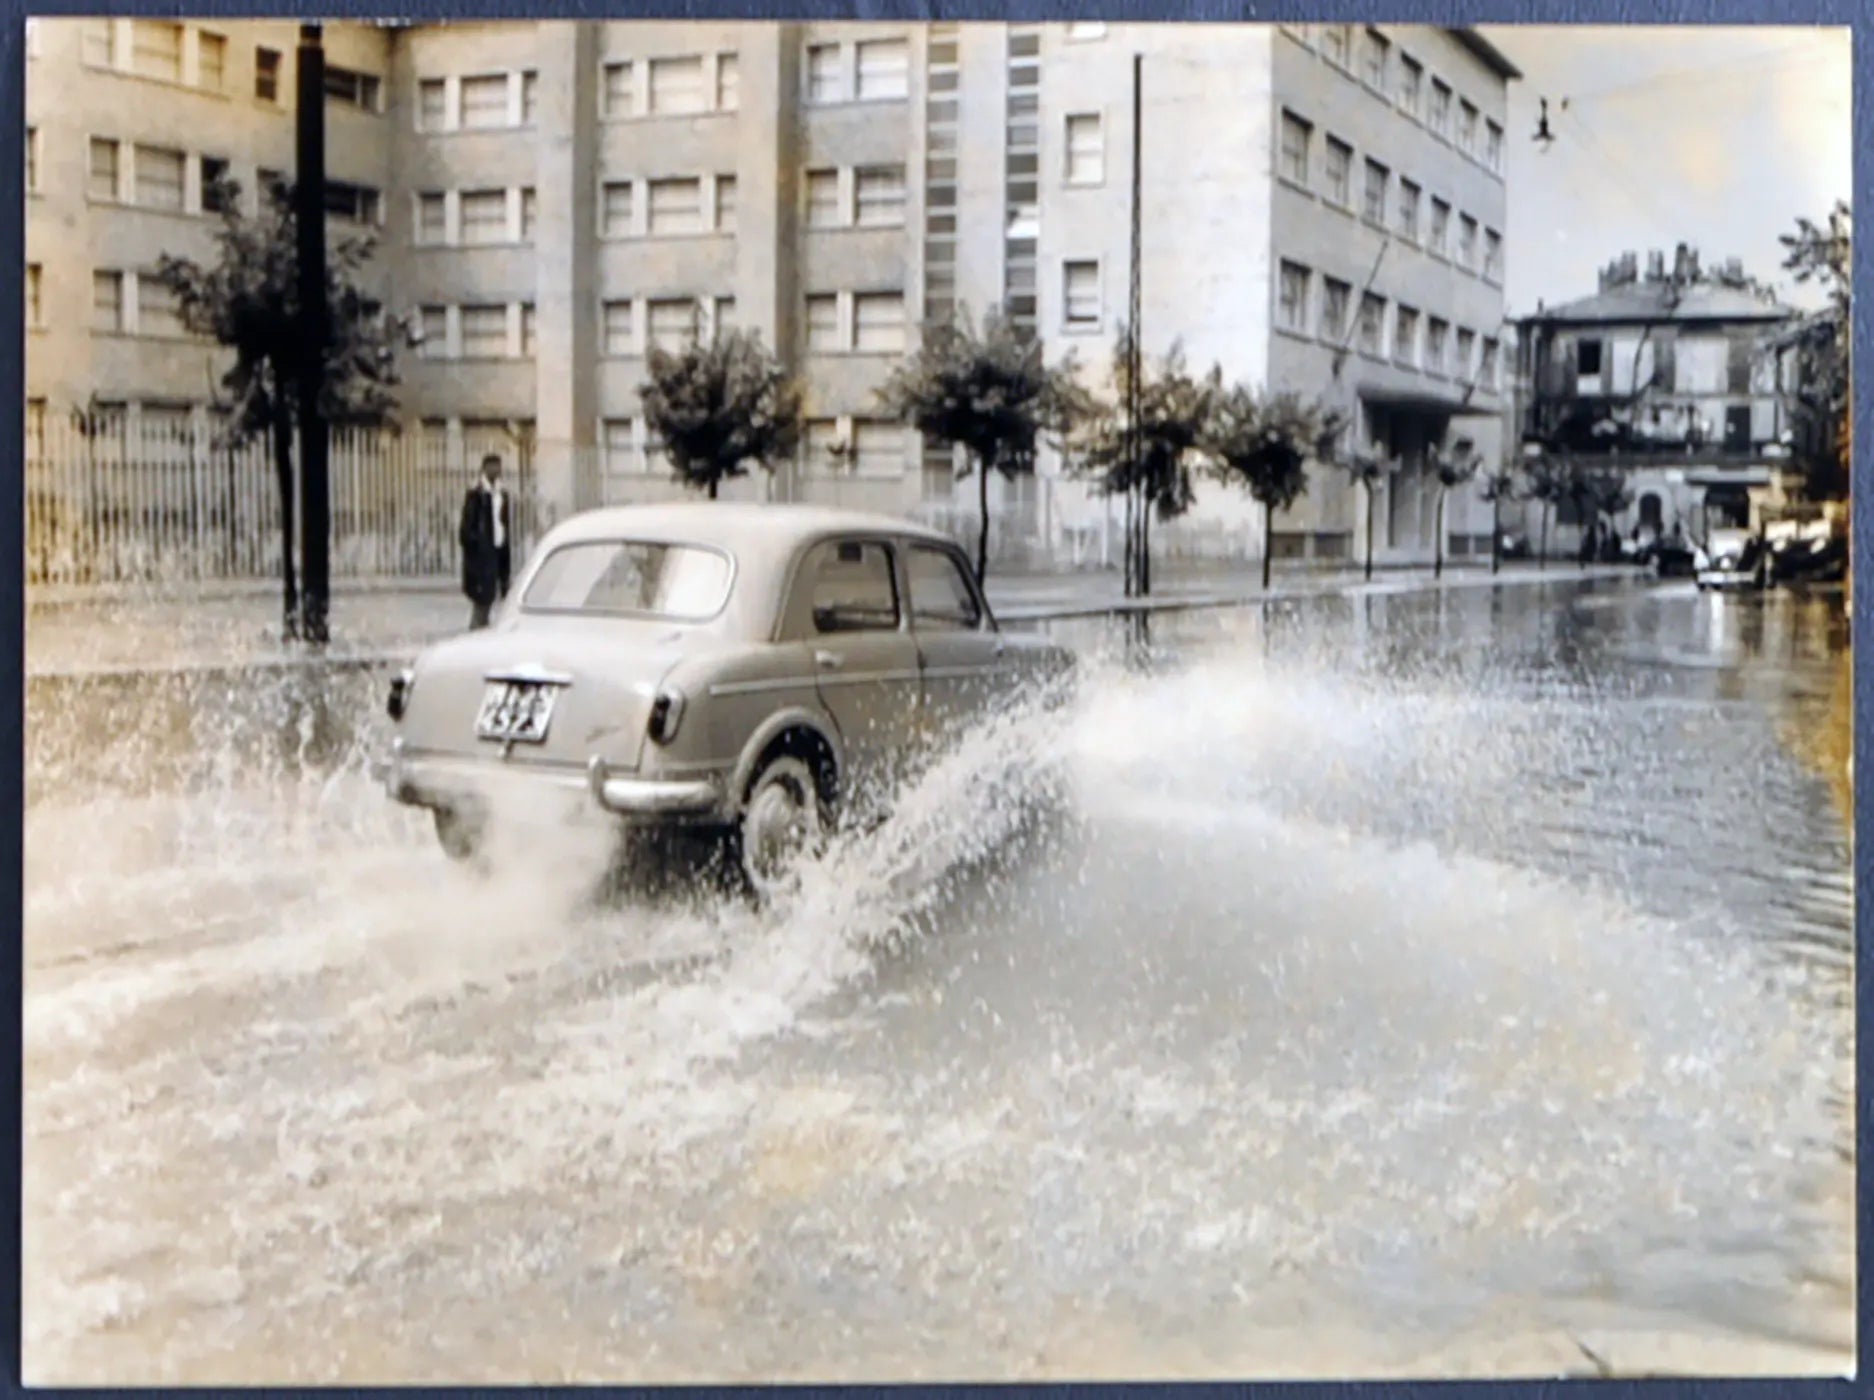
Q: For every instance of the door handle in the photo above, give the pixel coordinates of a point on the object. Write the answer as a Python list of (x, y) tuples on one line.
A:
[(826, 661)]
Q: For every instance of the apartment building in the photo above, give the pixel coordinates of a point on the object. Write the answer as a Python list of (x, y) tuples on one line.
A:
[(1323, 210)]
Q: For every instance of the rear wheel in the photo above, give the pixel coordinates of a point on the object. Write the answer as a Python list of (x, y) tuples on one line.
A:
[(784, 824)]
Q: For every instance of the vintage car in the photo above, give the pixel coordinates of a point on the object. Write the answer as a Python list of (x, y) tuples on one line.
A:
[(754, 672), (1732, 558)]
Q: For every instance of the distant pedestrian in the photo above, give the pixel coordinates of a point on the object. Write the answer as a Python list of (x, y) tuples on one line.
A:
[(484, 536)]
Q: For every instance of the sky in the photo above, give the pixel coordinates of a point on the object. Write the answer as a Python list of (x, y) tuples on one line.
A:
[(1714, 136)]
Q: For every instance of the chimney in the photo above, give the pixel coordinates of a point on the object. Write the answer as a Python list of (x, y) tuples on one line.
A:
[(1656, 266), (1692, 255), (1734, 269), (1630, 267), (1681, 263)]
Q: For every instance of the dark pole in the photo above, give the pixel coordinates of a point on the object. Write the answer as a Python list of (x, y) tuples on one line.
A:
[(1141, 547), (309, 219)]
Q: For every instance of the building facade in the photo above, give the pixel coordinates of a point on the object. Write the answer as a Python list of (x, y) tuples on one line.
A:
[(1322, 210), (1674, 374)]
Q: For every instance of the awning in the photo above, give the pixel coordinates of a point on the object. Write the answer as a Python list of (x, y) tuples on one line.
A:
[(1418, 401), (1729, 476)]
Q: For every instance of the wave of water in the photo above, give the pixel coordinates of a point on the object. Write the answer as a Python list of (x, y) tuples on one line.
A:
[(1259, 1029)]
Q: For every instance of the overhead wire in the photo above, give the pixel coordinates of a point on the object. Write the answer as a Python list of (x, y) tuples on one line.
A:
[(1749, 69)]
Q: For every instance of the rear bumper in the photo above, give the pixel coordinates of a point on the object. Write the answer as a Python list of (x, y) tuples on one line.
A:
[(443, 782)]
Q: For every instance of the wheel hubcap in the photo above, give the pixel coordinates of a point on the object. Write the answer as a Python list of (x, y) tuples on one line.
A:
[(780, 825)]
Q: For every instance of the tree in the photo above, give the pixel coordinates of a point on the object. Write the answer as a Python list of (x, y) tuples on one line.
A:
[(1498, 486), (248, 301), (993, 393), (720, 406), (1548, 483), (1263, 443), (1822, 400), (1174, 413), (1452, 466), (1367, 470)]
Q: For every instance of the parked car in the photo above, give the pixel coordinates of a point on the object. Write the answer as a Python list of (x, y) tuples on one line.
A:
[(1513, 544), (1731, 558), (755, 672)]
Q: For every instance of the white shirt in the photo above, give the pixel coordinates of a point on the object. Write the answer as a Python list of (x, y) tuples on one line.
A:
[(497, 496)]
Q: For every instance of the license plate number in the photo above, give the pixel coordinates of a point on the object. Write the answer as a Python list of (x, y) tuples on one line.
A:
[(516, 711)]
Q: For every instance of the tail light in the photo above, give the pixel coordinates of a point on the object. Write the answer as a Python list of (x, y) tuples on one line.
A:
[(400, 687), (666, 715)]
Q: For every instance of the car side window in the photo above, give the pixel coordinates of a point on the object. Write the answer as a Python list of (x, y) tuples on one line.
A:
[(853, 587), (941, 597)]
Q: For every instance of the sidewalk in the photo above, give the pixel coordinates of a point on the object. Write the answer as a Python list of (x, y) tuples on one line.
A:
[(390, 620)]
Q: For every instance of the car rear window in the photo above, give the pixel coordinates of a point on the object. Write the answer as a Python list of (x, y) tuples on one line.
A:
[(636, 578)]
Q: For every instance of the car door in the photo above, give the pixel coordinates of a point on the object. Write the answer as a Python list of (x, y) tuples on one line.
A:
[(959, 648), (864, 657)]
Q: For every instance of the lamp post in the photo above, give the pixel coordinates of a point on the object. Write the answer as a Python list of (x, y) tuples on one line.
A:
[(315, 504)]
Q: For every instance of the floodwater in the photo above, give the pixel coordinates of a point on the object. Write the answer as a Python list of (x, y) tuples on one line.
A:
[(1418, 985)]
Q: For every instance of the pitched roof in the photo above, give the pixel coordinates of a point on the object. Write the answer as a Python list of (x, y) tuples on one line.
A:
[(1655, 301)]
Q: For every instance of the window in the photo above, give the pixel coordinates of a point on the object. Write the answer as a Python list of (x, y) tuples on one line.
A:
[(1334, 298), (1467, 128), (823, 322), (615, 209), (432, 225), (530, 214), (1373, 204), (215, 189), (1339, 171), (433, 321), (619, 328), (884, 70), (32, 160), (725, 316), (1467, 345), (616, 98), (823, 75), (358, 90), (877, 449), (728, 82), (941, 596), (1409, 210), (1292, 304), (267, 75), (103, 179), (1467, 241), (1441, 107), (878, 321), (484, 216), (1439, 237), (1405, 338), (683, 583), (432, 104), (159, 177), (35, 311), (1373, 60), (879, 192), (211, 66), (1493, 255), (355, 204), (1080, 295), (530, 329), (1372, 323), (853, 588), (485, 101), (272, 182), (1588, 359), (1437, 333), (107, 302), (1297, 136), (484, 332), (725, 204), (1411, 83), (671, 323), (1493, 145), (157, 312), (675, 86), (620, 440), (1335, 39), (675, 207), (97, 42), (1086, 149), (1487, 366), (530, 97), (823, 199), (156, 49)]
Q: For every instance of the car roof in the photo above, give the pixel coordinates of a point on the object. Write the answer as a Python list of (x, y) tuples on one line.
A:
[(742, 527)]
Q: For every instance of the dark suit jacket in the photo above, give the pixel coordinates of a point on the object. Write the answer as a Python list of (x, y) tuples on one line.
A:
[(484, 567)]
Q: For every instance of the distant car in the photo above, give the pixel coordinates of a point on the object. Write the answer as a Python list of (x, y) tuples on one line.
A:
[(1731, 558), (1513, 544), (756, 672)]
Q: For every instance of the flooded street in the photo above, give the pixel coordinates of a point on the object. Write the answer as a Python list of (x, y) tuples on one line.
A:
[(1428, 984)]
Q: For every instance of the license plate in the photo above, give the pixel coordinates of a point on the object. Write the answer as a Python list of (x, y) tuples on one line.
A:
[(516, 712)]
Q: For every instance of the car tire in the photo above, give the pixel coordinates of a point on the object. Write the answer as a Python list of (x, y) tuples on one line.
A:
[(784, 823), (458, 837)]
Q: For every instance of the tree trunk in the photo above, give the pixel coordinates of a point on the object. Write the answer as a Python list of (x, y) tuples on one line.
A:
[(1542, 551), (1145, 546), (1369, 532), (1268, 542), (1496, 536), (982, 528), (283, 478), (713, 484), (1438, 537)]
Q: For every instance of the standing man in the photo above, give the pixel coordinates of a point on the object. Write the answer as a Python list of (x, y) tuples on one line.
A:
[(484, 537)]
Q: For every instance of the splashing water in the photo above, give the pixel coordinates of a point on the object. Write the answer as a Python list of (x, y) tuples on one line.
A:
[(1260, 1015)]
